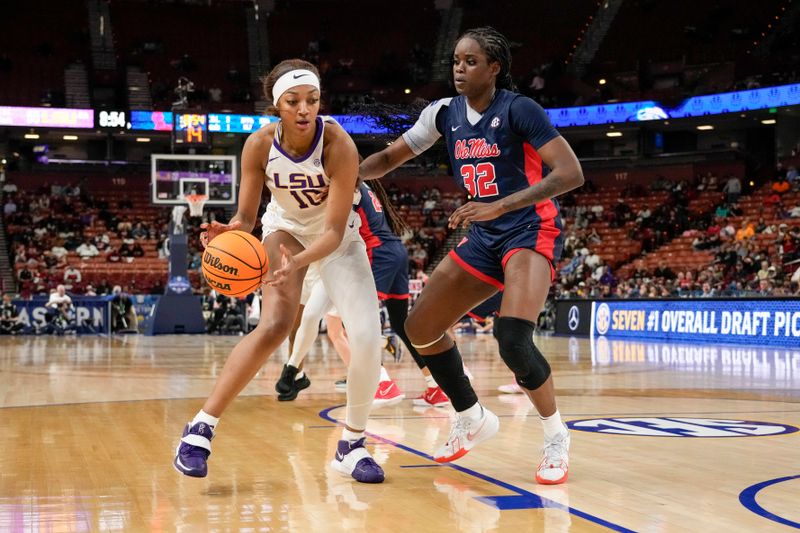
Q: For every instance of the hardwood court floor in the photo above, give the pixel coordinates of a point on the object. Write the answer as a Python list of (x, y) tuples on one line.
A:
[(89, 426)]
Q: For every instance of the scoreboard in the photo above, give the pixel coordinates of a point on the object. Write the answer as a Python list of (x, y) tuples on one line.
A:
[(190, 128)]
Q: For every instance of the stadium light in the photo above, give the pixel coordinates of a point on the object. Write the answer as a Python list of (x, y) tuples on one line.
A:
[(407, 91), (613, 134), (705, 127), (31, 135), (602, 81), (769, 121), (70, 137), (142, 139)]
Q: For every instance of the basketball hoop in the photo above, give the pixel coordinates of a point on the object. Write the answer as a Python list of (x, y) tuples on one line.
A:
[(196, 203)]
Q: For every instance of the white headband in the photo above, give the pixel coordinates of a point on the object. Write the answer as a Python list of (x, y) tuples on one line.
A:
[(293, 78)]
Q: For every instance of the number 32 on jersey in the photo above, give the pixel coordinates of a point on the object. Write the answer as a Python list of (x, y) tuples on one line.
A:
[(479, 180)]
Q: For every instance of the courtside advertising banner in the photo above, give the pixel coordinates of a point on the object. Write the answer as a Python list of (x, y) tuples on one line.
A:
[(90, 315), (773, 322)]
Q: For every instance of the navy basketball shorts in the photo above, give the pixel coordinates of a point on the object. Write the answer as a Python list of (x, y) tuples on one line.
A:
[(484, 253), (390, 269)]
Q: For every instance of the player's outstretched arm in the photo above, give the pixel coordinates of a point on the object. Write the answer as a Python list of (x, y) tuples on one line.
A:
[(252, 183), (380, 163)]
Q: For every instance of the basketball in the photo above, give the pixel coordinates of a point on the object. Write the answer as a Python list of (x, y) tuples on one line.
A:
[(234, 263)]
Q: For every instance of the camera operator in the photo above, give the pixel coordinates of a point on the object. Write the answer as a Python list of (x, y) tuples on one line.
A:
[(123, 315), (10, 322)]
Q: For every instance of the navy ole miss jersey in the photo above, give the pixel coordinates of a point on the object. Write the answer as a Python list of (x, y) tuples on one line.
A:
[(375, 229), (493, 154)]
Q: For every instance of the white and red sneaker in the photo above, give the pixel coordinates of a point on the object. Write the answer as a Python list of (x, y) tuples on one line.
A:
[(554, 468), (388, 393), (466, 434), (510, 388), (432, 397)]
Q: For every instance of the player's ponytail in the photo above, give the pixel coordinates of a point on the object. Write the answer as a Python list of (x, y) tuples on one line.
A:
[(497, 48)]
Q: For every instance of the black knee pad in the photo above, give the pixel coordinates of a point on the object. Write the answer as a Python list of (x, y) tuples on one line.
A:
[(515, 339)]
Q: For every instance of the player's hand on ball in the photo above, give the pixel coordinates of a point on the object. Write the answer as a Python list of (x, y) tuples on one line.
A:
[(214, 228), (473, 212), (288, 266)]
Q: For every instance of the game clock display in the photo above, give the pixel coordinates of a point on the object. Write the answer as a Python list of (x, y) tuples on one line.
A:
[(191, 128), (112, 120)]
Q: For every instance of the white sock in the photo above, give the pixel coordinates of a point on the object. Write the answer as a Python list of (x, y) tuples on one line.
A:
[(552, 425), (299, 375), (351, 436), (202, 416), (385, 375), (473, 413), (430, 382)]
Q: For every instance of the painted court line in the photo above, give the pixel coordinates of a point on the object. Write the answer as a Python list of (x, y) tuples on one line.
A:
[(522, 499), (748, 498)]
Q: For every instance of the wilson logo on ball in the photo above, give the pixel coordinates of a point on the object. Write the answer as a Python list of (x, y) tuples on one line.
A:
[(214, 262)]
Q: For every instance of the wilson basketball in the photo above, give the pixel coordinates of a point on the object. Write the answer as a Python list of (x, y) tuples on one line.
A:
[(234, 263)]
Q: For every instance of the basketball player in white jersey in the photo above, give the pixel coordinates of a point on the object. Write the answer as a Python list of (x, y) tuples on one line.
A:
[(310, 165)]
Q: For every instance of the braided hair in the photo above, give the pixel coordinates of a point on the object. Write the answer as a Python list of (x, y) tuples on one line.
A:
[(396, 222), (497, 48)]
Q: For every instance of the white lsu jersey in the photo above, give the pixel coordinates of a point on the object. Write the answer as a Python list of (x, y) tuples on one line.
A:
[(299, 189)]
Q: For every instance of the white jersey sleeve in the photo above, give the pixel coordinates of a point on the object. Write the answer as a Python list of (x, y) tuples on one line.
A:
[(424, 134)]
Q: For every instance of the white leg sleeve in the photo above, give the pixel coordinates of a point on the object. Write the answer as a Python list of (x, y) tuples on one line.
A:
[(316, 307), (349, 283)]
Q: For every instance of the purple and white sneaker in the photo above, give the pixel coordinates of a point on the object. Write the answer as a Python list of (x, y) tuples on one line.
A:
[(193, 450), (353, 459)]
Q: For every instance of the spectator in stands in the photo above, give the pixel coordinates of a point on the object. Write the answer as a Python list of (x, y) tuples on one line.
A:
[(764, 287), (745, 231), (58, 249), (125, 224), (139, 231), (101, 242), (597, 211), (87, 250), (780, 186), (761, 225), (793, 177), (592, 260), (25, 275), (125, 251), (112, 255), (727, 232), (795, 211), (10, 207), (137, 250), (708, 291), (664, 271), (104, 287), (722, 211), (10, 321), (89, 291), (661, 184), (72, 276), (732, 188)]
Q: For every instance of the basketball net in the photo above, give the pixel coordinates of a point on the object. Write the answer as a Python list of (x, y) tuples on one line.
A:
[(196, 203)]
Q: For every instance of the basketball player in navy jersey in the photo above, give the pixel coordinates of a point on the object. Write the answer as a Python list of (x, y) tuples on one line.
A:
[(310, 165), (499, 144)]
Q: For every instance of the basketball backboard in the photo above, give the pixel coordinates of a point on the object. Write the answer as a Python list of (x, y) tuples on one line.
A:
[(174, 176)]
